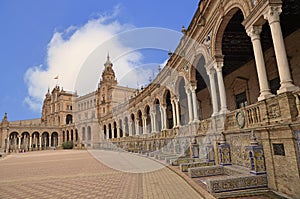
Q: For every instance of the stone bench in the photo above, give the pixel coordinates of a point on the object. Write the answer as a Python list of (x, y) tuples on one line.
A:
[(185, 166), (232, 183)]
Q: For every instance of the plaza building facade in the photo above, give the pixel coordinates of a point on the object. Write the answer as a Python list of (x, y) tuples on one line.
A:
[(228, 97)]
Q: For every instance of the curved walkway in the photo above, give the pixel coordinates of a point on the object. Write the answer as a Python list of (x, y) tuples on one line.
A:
[(78, 174)]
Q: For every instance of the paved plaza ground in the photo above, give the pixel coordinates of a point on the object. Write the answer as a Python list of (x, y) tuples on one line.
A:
[(83, 174)]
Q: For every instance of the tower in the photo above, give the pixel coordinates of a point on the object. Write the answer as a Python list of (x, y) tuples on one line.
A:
[(105, 89)]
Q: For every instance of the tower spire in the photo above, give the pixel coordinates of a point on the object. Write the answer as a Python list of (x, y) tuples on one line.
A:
[(108, 62), (108, 74)]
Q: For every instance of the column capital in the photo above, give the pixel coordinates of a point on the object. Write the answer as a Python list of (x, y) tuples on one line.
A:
[(254, 32), (218, 66), (174, 99), (210, 71), (187, 88), (193, 89), (272, 13)]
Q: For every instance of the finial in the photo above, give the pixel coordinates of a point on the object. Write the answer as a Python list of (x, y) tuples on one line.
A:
[(183, 30), (108, 62), (107, 55)]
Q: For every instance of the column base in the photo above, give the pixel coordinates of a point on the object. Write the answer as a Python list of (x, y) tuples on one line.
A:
[(223, 111), (287, 87), (265, 96), (196, 121)]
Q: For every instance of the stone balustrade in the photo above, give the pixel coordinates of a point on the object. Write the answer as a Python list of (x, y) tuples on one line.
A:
[(277, 109)]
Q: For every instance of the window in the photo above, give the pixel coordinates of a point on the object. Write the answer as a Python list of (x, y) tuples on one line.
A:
[(241, 100), (274, 85), (279, 149)]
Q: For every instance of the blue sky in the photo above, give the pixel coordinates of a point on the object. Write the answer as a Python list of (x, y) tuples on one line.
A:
[(35, 35)]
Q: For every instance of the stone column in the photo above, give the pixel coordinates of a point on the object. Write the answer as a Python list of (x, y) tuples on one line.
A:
[(19, 142), (113, 132), (137, 127), (218, 67), (153, 121), (144, 125), (188, 93), (50, 140), (273, 16), (174, 113), (177, 112), (58, 140), (40, 142), (118, 131), (163, 117), (30, 142), (213, 91), (254, 34), (195, 104), (7, 145), (124, 128)]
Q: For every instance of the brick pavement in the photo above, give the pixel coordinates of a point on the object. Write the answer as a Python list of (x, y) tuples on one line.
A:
[(77, 174)]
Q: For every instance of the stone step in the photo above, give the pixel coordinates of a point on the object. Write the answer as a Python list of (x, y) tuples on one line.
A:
[(179, 161), (205, 171), (232, 183), (185, 166)]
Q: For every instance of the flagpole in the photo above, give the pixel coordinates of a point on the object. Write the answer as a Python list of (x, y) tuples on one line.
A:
[(56, 77)]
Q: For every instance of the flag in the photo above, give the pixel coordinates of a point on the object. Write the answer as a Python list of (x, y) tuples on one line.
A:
[(56, 77)]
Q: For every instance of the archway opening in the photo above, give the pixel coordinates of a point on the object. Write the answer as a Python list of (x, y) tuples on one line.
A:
[(183, 101)]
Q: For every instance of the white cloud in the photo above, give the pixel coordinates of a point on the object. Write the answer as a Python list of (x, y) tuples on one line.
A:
[(78, 53), (67, 55)]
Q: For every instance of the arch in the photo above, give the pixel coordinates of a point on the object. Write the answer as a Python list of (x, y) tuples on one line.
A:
[(169, 110), (63, 136), (104, 131), (13, 141), (221, 23), (140, 122), (158, 119), (183, 101), (35, 140), (72, 135), (177, 82), (25, 138), (203, 89), (148, 119), (132, 124), (89, 133), (109, 131), (83, 133), (126, 126), (54, 139), (121, 128), (201, 51), (45, 140), (68, 135), (69, 119), (115, 135)]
